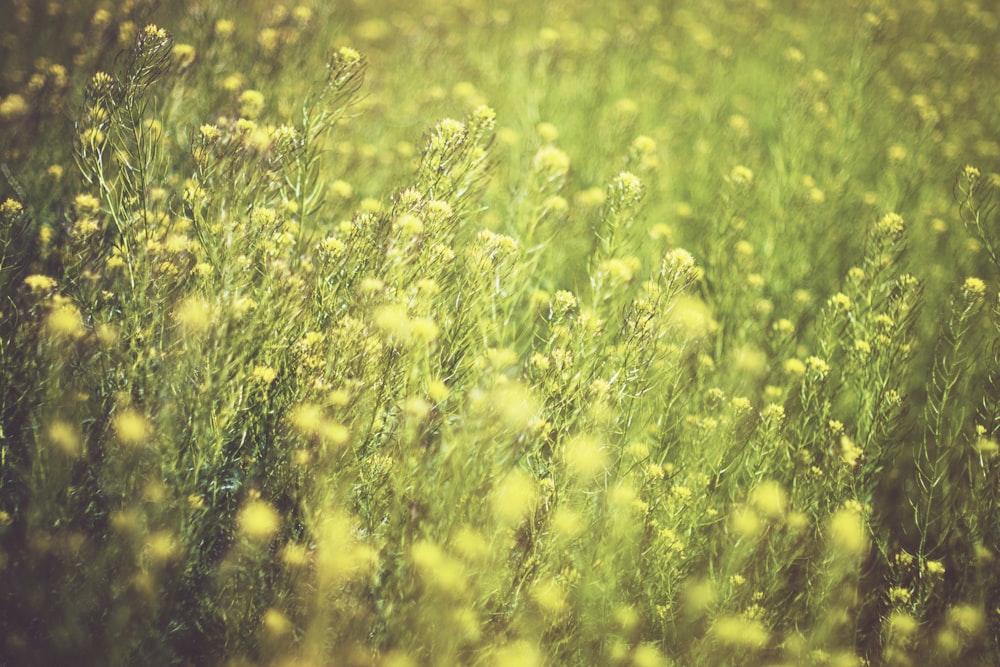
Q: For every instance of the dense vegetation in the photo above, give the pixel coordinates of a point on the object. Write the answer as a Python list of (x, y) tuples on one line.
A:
[(411, 333)]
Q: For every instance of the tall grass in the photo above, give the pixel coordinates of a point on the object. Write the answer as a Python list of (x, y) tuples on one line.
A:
[(395, 333)]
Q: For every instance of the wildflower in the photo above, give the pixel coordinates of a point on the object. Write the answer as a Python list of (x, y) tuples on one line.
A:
[(840, 301), (794, 368), (567, 523), (749, 360), (471, 544), (794, 55), (416, 408), (394, 323), (64, 436), (555, 205), (184, 55), (647, 655), (903, 625), (679, 263), (770, 499), (849, 452), (550, 162), (745, 522), (846, 533), (161, 547), (550, 597), (897, 153), (349, 55), (818, 367), (295, 555), (131, 427), (13, 107), (891, 224), (224, 28), (308, 419), (437, 391), (194, 315), (424, 329), (590, 198), (899, 595), (259, 521), (437, 569), (627, 186), (547, 132), (741, 175), (619, 270), (264, 374), (86, 204), (39, 283), (513, 498), (741, 405), (92, 137), (585, 457), (773, 413), (342, 189), (966, 618), (986, 446), (518, 653), (934, 567), (155, 33), (973, 289), (276, 625), (251, 103), (737, 631), (101, 80), (263, 218), (65, 321), (409, 225)]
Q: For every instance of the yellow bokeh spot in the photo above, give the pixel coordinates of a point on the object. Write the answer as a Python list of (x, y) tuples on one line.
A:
[(259, 521)]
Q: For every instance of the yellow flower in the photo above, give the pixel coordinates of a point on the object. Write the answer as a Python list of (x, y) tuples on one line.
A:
[(974, 288), (264, 374), (741, 175), (131, 427), (437, 569), (934, 567), (251, 103), (550, 597), (849, 452), (259, 521), (40, 283), (184, 55), (13, 106), (891, 224), (224, 28), (737, 631), (585, 457), (276, 625), (86, 204), (64, 436), (65, 321), (514, 497), (551, 162), (770, 499), (194, 315), (846, 533)]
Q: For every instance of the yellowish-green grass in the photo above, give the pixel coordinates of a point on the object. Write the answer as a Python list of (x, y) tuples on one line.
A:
[(499, 334)]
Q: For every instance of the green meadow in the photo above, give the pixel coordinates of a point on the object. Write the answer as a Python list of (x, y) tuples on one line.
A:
[(374, 332)]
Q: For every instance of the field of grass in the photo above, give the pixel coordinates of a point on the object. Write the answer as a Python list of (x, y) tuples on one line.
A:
[(490, 333)]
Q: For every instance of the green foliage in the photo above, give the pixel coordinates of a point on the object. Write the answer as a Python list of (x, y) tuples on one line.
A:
[(556, 333)]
